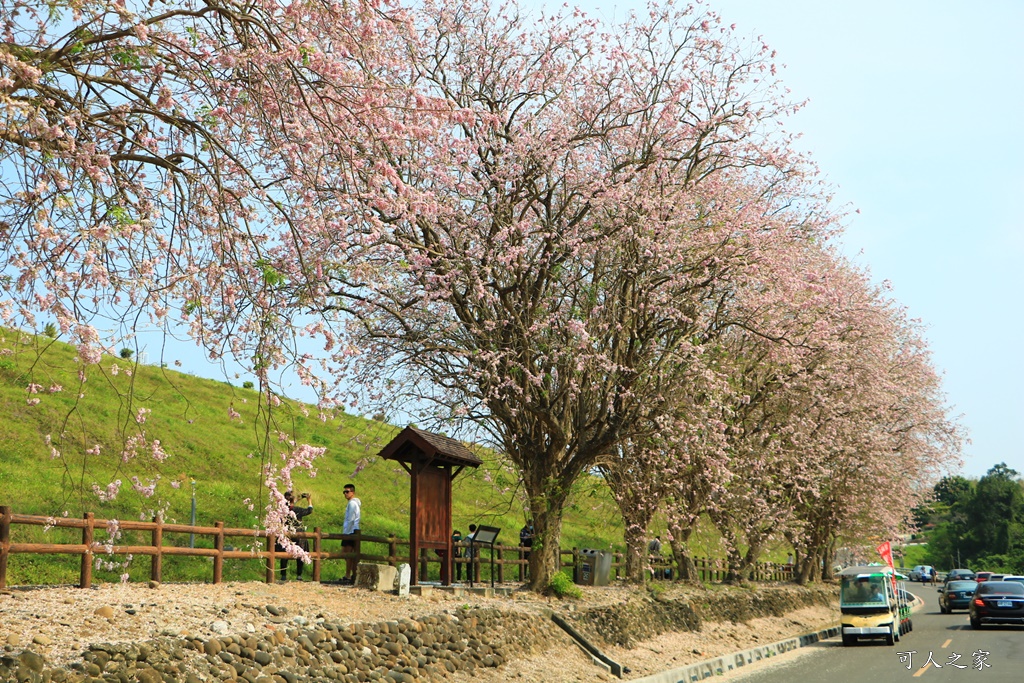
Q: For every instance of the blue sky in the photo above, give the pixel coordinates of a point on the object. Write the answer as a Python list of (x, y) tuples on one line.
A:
[(915, 117)]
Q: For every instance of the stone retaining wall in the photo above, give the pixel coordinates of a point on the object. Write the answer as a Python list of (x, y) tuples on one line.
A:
[(640, 619), (398, 651), (295, 650)]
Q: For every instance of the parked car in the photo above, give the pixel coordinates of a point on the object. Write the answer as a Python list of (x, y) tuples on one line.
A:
[(997, 602), (922, 573), (1013, 578), (961, 575), (982, 576), (956, 595)]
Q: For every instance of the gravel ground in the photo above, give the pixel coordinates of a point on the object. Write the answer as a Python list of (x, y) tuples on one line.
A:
[(61, 622)]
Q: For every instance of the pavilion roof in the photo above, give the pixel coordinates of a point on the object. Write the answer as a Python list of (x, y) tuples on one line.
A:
[(417, 445)]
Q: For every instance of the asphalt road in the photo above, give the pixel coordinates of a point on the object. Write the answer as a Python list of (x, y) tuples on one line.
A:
[(994, 654)]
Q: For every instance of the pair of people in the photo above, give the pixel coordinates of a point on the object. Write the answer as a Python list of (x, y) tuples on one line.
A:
[(350, 527)]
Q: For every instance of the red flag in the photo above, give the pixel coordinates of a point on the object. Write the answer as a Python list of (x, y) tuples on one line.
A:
[(885, 550)]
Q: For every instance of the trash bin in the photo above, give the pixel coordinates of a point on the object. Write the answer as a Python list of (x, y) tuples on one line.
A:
[(595, 567)]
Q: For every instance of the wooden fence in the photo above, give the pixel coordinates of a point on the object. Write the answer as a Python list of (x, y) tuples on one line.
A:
[(509, 562)]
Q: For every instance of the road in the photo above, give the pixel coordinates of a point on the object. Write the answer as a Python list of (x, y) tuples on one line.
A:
[(994, 654)]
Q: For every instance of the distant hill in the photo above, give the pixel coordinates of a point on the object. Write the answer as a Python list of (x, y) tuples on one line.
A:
[(190, 416)]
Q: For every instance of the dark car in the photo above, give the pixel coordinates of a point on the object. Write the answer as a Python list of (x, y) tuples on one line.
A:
[(997, 602), (983, 576), (956, 595), (959, 575)]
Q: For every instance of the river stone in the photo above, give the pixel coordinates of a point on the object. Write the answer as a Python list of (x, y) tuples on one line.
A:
[(32, 661), (149, 675), (106, 611)]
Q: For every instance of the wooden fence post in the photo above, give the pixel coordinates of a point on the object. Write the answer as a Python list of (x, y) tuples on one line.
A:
[(85, 574), (5, 542), (218, 559), (271, 557), (522, 566), (317, 537), (392, 550), (501, 564), (156, 565)]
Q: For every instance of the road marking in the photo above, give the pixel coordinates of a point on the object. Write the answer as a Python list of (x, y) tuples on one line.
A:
[(946, 644), (923, 669)]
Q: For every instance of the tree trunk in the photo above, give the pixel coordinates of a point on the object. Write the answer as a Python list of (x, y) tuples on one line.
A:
[(637, 561), (750, 559), (686, 570), (734, 566), (806, 568), (545, 554), (828, 558)]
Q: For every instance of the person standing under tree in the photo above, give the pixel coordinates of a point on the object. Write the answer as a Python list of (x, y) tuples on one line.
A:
[(654, 548), (294, 525), (526, 541), (457, 553), (472, 570), (353, 512)]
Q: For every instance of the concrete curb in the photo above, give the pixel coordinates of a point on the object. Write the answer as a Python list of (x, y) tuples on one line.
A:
[(719, 665)]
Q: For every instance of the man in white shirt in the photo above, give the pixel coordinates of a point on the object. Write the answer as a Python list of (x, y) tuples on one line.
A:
[(351, 528)]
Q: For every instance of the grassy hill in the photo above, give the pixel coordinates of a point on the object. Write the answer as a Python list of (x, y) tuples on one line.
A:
[(191, 417)]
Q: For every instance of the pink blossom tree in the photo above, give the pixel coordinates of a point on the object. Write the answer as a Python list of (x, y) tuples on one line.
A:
[(158, 160), (544, 263), (839, 429)]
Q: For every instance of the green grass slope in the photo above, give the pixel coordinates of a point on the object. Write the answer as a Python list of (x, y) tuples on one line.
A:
[(192, 419)]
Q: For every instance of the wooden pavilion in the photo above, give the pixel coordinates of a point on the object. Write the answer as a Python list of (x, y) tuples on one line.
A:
[(433, 461)]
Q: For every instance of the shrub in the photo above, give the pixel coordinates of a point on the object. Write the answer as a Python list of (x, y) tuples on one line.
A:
[(562, 586), (248, 385), (127, 353)]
